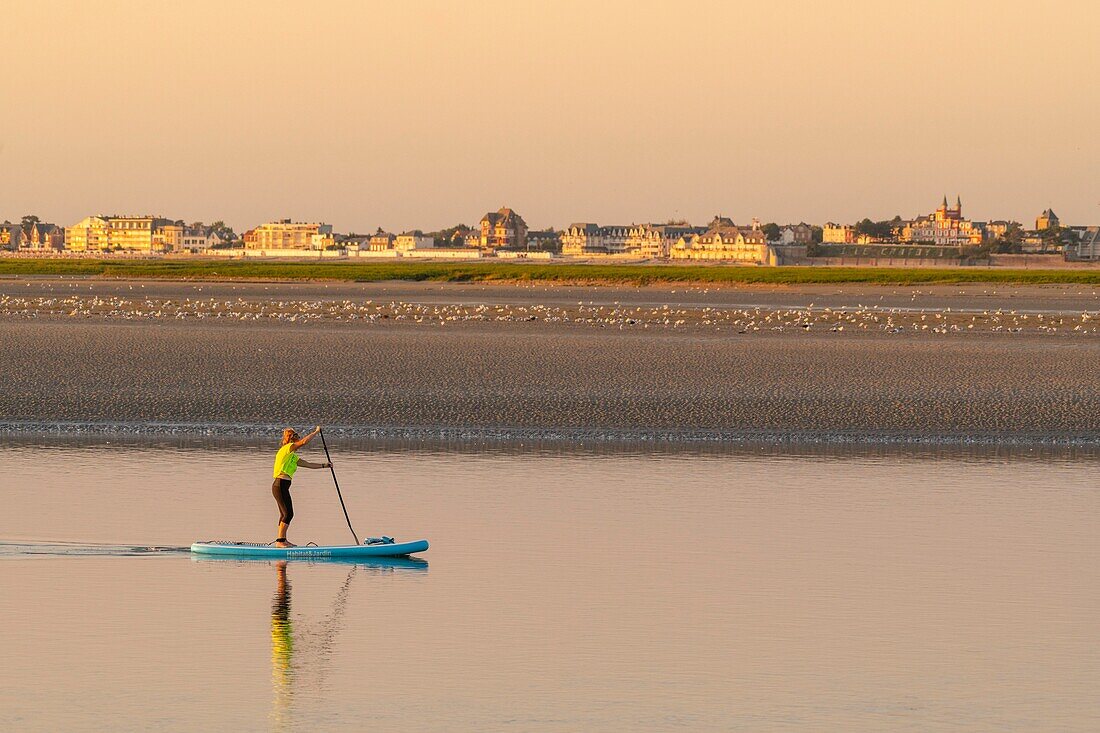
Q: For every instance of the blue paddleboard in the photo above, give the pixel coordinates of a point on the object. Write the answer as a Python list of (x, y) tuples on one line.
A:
[(255, 549)]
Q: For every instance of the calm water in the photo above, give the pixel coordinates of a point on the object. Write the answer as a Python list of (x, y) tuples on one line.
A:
[(564, 591)]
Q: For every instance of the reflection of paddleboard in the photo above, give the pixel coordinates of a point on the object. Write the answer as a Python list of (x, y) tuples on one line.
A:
[(310, 552), (403, 562)]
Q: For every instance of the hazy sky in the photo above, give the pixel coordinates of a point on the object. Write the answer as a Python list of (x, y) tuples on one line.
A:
[(422, 114)]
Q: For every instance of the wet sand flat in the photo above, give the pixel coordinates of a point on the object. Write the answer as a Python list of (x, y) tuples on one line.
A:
[(546, 378)]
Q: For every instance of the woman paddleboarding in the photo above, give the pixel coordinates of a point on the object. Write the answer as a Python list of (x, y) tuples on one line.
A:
[(286, 463)]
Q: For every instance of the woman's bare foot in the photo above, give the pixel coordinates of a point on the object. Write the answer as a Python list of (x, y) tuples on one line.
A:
[(284, 543)]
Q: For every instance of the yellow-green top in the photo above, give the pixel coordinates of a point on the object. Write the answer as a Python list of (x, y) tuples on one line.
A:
[(286, 461)]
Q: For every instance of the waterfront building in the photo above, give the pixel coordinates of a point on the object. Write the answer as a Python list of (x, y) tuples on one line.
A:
[(413, 240), (544, 240), (724, 241), (1087, 246), (88, 234), (1034, 241), (169, 238), (586, 238), (356, 242), (42, 236), (614, 238), (286, 234), (457, 238), (1047, 220), (11, 235), (838, 234), (795, 234), (138, 233), (132, 233), (504, 229), (323, 240), (581, 238), (945, 227), (197, 239), (381, 241), (655, 241), (997, 228)]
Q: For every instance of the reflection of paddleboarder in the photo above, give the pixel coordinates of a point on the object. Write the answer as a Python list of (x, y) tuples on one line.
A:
[(294, 664), (286, 463), (300, 657), (282, 644)]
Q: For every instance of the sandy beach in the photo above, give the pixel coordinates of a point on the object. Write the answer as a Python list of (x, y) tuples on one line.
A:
[(950, 363)]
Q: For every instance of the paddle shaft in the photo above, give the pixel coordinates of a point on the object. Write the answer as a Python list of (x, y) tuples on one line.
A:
[(328, 459)]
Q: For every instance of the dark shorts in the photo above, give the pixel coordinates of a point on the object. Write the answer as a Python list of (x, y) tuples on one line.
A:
[(280, 489)]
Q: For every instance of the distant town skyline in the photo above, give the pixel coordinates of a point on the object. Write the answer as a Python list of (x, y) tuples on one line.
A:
[(505, 233), (423, 115), (557, 226)]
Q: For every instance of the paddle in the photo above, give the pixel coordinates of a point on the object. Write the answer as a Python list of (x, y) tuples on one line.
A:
[(328, 458)]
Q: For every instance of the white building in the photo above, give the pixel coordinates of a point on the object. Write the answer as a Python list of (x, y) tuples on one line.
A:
[(1087, 246), (197, 240), (727, 242), (287, 234), (655, 241), (586, 239), (838, 234), (413, 240), (795, 234), (356, 243)]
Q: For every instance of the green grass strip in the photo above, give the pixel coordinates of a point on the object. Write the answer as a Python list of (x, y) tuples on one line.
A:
[(611, 274)]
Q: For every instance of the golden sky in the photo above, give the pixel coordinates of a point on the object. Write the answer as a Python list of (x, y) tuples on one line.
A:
[(425, 113)]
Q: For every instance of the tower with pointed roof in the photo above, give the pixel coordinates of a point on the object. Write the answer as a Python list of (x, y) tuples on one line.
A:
[(944, 227), (947, 213), (1047, 220)]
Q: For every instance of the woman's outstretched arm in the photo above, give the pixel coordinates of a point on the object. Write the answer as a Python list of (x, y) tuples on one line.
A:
[(307, 464), (306, 439)]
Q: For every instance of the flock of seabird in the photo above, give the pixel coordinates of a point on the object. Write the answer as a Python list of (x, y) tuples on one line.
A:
[(735, 320)]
